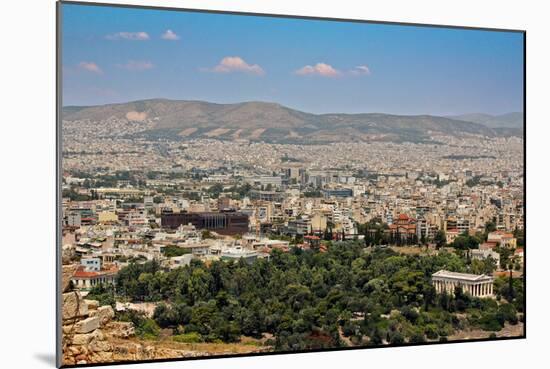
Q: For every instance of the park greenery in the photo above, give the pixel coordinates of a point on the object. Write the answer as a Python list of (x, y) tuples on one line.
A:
[(172, 251), (309, 299)]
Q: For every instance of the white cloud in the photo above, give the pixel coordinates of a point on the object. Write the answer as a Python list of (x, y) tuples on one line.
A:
[(90, 67), (170, 35), (133, 36), (327, 70), (360, 70), (136, 65), (236, 64), (319, 69)]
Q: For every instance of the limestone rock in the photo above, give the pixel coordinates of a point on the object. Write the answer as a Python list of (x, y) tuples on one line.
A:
[(82, 339), (67, 329), (92, 304), (73, 350), (121, 350), (68, 360), (104, 313), (73, 306), (99, 346), (101, 357), (67, 273), (120, 329), (98, 335), (86, 338), (87, 325)]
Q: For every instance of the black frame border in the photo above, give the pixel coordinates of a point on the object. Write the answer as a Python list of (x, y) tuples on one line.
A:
[(59, 171)]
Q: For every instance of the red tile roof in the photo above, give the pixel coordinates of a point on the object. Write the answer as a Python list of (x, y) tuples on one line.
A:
[(312, 237), (81, 272)]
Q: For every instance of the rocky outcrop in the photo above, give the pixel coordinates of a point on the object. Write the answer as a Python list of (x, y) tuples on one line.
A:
[(104, 314), (84, 323), (120, 330), (73, 306), (90, 335)]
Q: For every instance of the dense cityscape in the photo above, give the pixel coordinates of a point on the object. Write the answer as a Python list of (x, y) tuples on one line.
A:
[(174, 244), (235, 185)]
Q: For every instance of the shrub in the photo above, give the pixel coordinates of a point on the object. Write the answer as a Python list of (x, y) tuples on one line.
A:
[(149, 329), (431, 331), (417, 337), (396, 338), (192, 337), (508, 313), (490, 322)]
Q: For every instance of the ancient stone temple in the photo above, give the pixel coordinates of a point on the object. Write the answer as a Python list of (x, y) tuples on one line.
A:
[(473, 284)]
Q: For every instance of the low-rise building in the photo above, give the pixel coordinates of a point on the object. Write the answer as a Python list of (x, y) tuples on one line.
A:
[(473, 284), (86, 280), (505, 239), (481, 254)]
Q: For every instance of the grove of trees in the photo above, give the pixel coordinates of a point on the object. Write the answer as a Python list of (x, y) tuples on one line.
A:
[(311, 299)]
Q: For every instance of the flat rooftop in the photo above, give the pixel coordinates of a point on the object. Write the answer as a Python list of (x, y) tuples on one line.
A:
[(462, 276)]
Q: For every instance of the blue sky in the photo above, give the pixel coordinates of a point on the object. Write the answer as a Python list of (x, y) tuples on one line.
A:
[(120, 54)]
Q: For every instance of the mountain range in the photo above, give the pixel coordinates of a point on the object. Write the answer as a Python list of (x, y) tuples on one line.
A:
[(509, 120), (271, 122)]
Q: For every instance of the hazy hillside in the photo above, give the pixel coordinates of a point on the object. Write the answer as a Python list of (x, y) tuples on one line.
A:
[(276, 123), (509, 120)]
